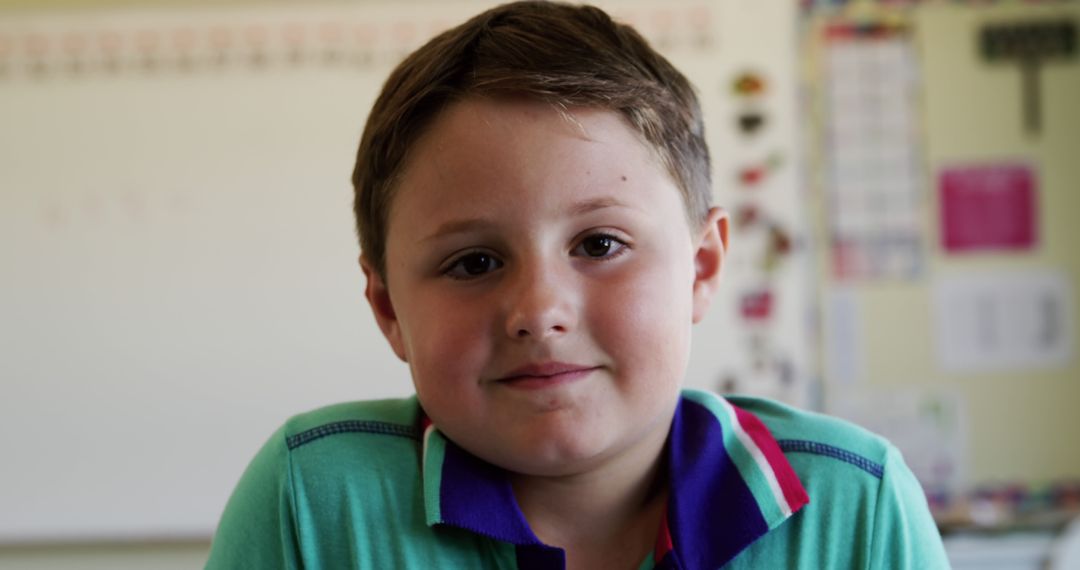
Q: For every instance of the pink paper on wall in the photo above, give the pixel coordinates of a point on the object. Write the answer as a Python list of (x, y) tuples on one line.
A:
[(987, 207)]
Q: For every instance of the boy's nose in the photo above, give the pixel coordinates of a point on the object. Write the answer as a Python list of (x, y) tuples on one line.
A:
[(540, 306)]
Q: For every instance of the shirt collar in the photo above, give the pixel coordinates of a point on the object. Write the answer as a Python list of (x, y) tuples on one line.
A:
[(724, 497), (729, 485)]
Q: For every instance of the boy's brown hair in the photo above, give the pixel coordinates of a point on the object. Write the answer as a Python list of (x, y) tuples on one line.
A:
[(556, 53)]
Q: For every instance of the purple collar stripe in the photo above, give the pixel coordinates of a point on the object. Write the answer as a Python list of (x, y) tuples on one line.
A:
[(712, 513), (472, 494)]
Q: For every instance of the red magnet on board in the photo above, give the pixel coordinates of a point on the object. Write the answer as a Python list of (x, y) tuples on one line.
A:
[(751, 175), (746, 215), (757, 305)]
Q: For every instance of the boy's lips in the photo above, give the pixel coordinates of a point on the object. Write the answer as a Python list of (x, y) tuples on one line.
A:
[(546, 374)]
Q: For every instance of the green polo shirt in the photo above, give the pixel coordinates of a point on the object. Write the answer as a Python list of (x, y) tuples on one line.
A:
[(752, 484)]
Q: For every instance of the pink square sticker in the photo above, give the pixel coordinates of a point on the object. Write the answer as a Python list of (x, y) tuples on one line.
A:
[(987, 207)]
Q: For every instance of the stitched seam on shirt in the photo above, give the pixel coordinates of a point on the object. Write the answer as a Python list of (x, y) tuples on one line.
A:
[(351, 426), (817, 448), (294, 512)]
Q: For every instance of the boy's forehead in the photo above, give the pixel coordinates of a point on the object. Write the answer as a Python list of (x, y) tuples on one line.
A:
[(505, 116), (526, 142), (525, 129)]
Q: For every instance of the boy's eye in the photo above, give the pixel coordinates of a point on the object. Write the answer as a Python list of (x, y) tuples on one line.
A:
[(473, 265), (600, 246)]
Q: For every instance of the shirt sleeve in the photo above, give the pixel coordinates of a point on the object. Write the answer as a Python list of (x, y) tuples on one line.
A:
[(258, 528), (905, 536)]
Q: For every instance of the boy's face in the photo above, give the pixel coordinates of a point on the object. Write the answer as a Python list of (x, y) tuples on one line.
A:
[(541, 282)]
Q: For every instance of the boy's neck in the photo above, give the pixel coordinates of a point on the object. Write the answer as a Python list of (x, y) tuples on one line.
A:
[(608, 516)]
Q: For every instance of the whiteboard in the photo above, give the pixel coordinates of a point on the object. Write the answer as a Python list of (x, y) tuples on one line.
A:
[(178, 253)]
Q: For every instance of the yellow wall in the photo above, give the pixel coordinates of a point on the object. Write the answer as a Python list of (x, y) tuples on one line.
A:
[(1022, 422)]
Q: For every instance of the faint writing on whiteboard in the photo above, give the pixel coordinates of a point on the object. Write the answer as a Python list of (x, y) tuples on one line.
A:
[(1004, 321)]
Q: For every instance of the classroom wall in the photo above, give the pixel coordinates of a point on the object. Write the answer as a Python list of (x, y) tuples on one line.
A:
[(1009, 415), (175, 216), (184, 270)]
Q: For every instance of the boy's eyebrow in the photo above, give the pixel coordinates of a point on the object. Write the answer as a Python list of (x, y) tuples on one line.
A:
[(586, 206), (457, 227), (474, 224)]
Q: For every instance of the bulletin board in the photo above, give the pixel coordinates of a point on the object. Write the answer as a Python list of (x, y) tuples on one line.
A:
[(179, 260), (942, 156)]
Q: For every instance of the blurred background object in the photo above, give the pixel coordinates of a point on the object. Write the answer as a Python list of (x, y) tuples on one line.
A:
[(179, 259)]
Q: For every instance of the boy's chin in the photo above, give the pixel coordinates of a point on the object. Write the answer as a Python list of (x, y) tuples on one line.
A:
[(551, 468), (550, 456), (567, 444), (559, 457)]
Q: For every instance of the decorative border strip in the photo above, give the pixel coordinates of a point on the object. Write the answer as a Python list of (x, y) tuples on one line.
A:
[(205, 41), (190, 48)]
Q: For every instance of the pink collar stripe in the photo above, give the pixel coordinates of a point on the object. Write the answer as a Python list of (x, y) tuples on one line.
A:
[(786, 488)]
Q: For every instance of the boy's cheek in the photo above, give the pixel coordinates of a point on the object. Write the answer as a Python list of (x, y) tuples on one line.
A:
[(647, 293), (447, 336), (654, 308)]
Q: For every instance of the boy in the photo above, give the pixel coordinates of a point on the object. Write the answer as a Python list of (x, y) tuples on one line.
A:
[(532, 197)]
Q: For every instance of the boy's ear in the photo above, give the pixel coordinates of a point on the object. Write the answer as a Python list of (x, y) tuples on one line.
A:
[(378, 297), (709, 260)]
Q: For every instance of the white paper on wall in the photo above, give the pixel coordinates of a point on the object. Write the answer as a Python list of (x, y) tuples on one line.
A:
[(1004, 321), (844, 338), (872, 164)]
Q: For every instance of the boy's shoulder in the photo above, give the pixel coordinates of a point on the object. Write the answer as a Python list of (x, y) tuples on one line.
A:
[(850, 475), (799, 431), (398, 418)]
